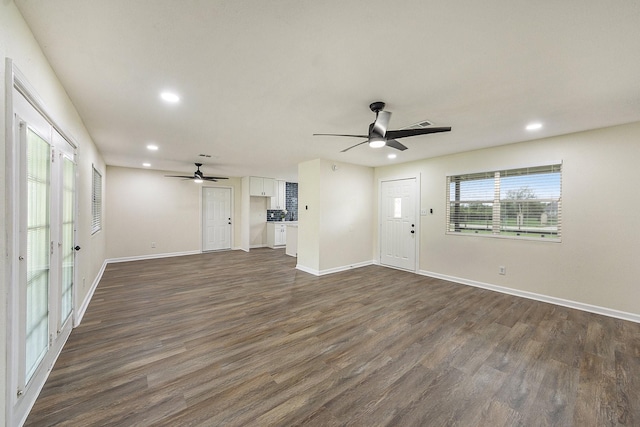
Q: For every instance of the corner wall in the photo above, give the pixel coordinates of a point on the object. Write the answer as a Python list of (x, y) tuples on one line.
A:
[(596, 262), (334, 233)]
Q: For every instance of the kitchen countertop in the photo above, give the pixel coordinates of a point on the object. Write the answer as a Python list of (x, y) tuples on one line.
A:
[(283, 222)]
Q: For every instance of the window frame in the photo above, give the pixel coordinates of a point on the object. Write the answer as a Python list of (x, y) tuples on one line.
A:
[(96, 200), (495, 229)]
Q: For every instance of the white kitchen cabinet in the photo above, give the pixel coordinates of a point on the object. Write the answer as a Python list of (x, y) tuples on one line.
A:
[(292, 240), (261, 187), (279, 199), (276, 234)]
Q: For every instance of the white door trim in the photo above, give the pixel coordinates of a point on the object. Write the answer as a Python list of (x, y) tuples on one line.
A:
[(417, 218)]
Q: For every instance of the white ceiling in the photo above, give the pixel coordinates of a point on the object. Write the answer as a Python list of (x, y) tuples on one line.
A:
[(257, 78)]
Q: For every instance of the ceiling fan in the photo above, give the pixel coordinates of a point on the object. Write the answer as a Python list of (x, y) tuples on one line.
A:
[(379, 136), (198, 176)]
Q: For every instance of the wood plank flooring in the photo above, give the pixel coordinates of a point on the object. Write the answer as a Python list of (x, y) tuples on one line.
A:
[(242, 339)]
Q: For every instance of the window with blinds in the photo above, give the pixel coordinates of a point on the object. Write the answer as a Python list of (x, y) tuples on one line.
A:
[(517, 203), (96, 202)]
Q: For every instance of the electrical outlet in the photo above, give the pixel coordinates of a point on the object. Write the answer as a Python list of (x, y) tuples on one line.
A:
[(153, 244), (502, 270), (423, 212)]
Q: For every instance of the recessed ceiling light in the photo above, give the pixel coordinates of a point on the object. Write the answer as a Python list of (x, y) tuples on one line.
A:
[(170, 97), (392, 156), (146, 165), (534, 126), (152, 147)]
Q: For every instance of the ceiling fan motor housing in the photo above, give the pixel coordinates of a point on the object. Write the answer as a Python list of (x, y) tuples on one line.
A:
[(377, 106)]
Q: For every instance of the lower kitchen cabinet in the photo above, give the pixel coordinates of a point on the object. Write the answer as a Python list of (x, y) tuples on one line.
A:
[(276, 234)]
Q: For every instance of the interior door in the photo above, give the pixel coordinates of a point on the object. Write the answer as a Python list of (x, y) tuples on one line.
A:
[(398, 231), (216, 218)]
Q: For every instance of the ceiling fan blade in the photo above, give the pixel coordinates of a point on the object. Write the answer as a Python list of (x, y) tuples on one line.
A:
[(353, 146), (214, 177), (179, 176), (395, 144), (339, 134), (404, 133), (208, 178), (381, 123)]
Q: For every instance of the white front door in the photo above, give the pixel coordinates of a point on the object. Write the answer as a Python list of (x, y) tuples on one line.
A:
[(216, 218), (398, 228)]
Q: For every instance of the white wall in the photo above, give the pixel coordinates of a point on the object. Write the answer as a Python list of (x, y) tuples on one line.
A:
[(258, 221), (335, 232), (597, 261), (144, 206), (346, 220), (309, 215), (17, 43)]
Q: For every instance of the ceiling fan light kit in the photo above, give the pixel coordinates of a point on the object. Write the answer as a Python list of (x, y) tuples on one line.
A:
[(377, 142), (379, 136)]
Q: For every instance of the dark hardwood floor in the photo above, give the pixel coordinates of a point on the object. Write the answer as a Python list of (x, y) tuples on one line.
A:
[(238, 339)]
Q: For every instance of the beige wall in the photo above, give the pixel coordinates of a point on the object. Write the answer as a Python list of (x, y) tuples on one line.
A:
[(335, 232), (144, 207), (258, 221), (346, 220), (17, 43), (596, 262), (309, 215)]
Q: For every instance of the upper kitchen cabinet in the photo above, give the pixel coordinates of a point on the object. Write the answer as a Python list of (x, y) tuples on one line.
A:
[(279, 199), (261, 187)]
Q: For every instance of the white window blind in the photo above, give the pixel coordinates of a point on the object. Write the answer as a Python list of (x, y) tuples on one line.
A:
[(516, 203), (96, 202)]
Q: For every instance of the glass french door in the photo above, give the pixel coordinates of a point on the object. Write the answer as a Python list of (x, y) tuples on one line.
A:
[(67, 240), (48, 239), (38, 260), (41, 214), (44, 288)]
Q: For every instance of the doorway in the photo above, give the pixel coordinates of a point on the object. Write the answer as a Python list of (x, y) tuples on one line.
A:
[(216, 219), (398, 228)]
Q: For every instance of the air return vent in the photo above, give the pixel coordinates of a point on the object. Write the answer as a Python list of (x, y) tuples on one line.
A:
[(420, 125)]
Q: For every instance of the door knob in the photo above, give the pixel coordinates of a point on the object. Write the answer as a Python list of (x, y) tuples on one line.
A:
[(77, 248), (413, 231)]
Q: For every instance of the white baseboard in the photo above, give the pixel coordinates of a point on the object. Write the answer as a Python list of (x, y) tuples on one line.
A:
[(87, 299), (153, 256), (333, 270), (538, 297)]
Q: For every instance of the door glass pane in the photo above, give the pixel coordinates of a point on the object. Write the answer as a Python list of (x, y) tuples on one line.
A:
[(397, 207), (37, 295), (68, 193)]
